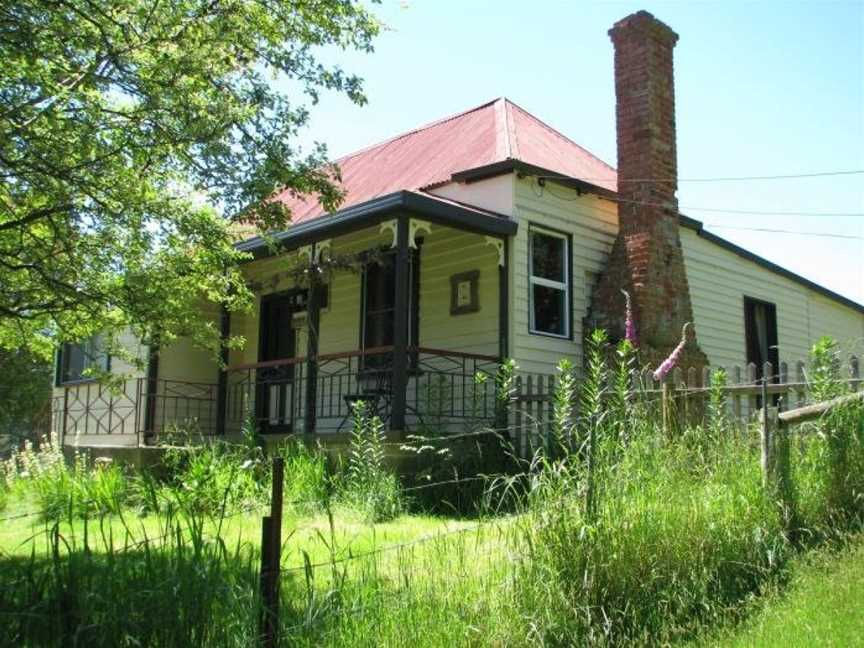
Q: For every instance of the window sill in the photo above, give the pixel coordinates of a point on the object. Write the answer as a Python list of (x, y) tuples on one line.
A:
[(554, 336), (79, 381)]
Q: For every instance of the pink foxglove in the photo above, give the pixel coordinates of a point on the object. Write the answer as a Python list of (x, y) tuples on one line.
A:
[(629, 324), (670, 362)]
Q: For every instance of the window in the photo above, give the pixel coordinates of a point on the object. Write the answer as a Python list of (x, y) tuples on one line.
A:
[(549, 283), (760, 332), (379, 302), (76, 358)]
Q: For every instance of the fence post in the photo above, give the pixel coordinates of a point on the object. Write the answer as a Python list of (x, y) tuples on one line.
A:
[(776, 470), (668, 402), (800, 378), (271, 558), (765, 436), (268, 621)]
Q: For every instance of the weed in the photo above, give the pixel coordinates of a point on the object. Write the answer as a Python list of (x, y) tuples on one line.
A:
[(367, 486)]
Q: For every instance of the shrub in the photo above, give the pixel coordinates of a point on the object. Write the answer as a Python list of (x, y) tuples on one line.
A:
[(214, 476), (664, 547)]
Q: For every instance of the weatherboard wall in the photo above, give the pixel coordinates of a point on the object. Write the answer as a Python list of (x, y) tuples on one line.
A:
[(591, 224), (719, 281)]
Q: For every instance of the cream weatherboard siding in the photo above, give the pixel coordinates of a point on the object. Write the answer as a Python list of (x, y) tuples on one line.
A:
[(719, 281), (185, 390), (497, 194), (592, 223)]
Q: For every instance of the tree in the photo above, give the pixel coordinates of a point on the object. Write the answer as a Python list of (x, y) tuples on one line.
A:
[(25, 393), (124, 125)]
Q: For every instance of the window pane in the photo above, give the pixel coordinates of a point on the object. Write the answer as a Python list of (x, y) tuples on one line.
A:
[(550, 310), (379, 329), (77, 358), (73, 361), (380, 284), (548, 257)]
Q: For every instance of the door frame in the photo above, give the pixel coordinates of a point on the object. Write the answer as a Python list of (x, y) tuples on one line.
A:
[(262, 399)]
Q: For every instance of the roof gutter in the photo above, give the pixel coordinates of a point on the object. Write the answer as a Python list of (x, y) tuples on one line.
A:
[(511, 165), (374, 211)]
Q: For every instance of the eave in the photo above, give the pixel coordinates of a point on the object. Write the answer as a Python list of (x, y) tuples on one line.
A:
[(521, 168), (400, 203)]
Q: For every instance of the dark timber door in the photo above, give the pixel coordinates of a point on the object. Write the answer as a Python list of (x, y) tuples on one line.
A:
[(275, 402)]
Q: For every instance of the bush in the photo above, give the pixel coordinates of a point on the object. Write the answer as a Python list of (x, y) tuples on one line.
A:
[(213, 477), (831, 452)]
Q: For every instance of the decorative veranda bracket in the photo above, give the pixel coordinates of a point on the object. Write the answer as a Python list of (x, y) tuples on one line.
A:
[(391, 225), (415, 225), (498, 244), (313, 253)]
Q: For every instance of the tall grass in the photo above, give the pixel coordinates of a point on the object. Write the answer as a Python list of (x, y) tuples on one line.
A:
[(182, 589), (646, 538), (367, 485), (624, 534)]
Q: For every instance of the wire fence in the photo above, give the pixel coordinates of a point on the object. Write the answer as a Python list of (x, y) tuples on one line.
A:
[(272, 570)]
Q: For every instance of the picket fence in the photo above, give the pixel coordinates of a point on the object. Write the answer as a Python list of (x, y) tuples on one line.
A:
[(680, 396)]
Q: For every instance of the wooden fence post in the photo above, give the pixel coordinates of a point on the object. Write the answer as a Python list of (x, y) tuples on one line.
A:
[(783, 477), (736, 398), (776, 469), (518, 430), (765, 435), (271, 558), (801, 379), (668, 404)]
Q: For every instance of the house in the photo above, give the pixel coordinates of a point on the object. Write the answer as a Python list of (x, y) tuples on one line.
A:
[(482, 236)]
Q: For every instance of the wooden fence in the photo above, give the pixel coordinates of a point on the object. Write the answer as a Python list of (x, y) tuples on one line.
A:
[(681, 396)]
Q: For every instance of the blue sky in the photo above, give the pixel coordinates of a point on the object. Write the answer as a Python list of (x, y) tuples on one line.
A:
[(763, 88)]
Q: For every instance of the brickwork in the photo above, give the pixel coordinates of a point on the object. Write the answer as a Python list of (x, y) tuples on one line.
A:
[(646, 259)]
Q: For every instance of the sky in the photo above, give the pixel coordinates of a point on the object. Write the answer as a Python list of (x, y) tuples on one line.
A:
[(762, 88)]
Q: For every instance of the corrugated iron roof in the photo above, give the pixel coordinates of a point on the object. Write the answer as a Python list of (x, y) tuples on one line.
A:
[(494, 132)]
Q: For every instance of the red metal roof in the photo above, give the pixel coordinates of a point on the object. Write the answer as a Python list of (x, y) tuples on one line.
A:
[(494, 132)]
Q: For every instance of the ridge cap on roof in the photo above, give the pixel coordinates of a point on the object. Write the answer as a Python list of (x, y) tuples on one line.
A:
[(418, 129), (559, 134)]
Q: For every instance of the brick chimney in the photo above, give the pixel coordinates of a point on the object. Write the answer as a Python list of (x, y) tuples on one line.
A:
[(646, 258)]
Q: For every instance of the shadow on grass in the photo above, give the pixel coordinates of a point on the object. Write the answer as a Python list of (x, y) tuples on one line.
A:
[(181, 593)]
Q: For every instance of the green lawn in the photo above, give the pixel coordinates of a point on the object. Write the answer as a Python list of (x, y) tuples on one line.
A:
[(300, 533), (822, 605)]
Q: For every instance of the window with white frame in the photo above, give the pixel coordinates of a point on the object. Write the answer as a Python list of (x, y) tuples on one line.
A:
[(77, 360), (549, 282)]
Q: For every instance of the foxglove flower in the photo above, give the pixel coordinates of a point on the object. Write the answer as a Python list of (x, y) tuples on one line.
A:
[(629, 324), (667, 365)]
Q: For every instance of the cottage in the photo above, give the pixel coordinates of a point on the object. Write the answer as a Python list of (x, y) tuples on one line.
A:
[(482, 236)]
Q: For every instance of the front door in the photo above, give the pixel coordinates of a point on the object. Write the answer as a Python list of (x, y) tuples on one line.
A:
[(276, 394)]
